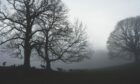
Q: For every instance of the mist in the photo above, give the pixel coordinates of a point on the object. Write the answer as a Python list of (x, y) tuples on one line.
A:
[(98, 60), (70, 41), (100, 18)]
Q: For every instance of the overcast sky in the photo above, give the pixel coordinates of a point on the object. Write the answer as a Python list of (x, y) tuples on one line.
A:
[(101, 16)]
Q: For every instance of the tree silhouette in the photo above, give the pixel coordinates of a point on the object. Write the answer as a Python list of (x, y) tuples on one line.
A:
[(19, 25), (60, 40), (52, 27), (124, 41), (42, 27)]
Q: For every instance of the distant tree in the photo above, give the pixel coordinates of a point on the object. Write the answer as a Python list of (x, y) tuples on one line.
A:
[(18, 24), (124, 41)]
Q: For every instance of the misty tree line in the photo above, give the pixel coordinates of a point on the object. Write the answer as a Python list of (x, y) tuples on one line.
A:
[(42, 28)]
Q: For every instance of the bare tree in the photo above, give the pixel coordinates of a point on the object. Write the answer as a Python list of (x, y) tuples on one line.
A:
[(18, 23), (60, 40), (52, 25), (124, 41), (67, 44)]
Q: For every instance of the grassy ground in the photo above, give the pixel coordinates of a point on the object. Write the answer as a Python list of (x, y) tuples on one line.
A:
[(118, 75)]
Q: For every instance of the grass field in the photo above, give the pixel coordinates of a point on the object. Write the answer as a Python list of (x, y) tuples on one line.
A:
[(128, 74)]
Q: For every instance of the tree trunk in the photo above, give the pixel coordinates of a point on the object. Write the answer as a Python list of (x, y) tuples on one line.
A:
[(27, 53), (48, 66), (27, 46), (27, 49), (48, 62)]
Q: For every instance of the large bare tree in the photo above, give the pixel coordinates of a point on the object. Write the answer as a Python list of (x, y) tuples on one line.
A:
[(18, 23), (124, 41), (60, 40)]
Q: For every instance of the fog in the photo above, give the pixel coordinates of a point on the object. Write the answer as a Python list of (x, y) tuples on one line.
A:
[(98, 60), (100, 17)]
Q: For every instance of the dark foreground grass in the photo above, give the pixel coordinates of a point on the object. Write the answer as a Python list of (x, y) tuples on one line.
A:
[(16, 75)]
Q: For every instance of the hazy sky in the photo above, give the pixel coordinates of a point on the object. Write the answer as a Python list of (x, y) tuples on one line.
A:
[(101, 16)]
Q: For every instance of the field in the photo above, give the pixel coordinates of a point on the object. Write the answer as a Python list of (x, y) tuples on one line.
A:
[(128, 74)]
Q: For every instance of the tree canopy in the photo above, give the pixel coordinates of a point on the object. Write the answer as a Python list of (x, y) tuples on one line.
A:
[(124, 41)]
